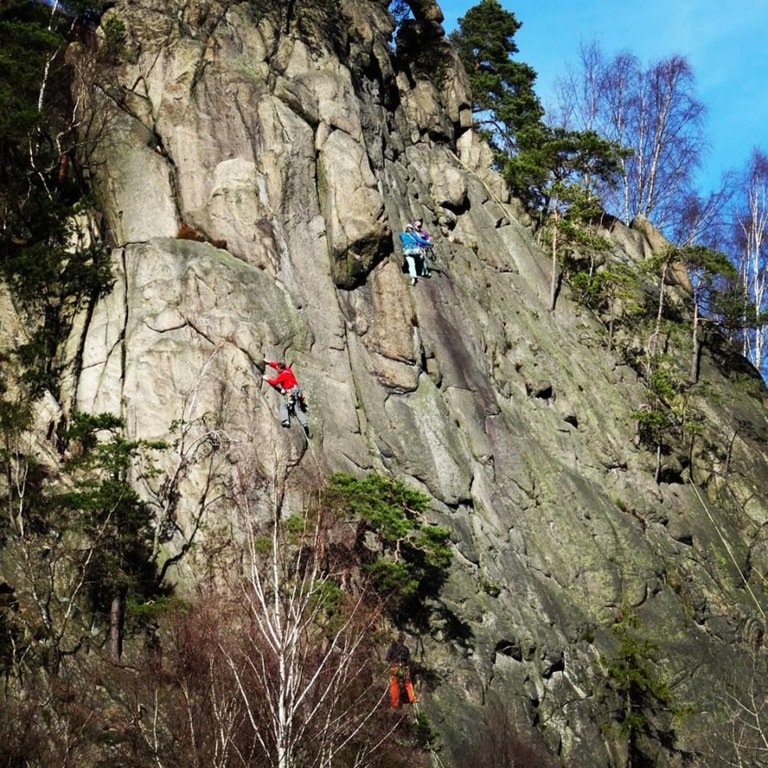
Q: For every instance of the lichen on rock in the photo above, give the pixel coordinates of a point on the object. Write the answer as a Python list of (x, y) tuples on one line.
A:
[(303, 154)]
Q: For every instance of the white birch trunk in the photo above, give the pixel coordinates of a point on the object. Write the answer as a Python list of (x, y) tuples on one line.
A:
[(753, 266), (285, 595)]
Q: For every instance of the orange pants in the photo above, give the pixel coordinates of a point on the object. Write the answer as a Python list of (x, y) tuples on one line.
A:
[(399, 680)]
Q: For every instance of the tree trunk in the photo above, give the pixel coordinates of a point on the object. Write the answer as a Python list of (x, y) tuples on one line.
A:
[(553, 285), (610, 326), (654, 343), (696, 357), (115, 627)]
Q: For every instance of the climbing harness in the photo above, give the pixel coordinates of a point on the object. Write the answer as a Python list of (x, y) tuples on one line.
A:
[(296, 399), (399, 684)]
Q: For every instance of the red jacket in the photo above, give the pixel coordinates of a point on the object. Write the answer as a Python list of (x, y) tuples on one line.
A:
[(284, 379)]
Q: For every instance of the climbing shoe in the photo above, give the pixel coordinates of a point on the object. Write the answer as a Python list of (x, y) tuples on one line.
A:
[(286, 424)]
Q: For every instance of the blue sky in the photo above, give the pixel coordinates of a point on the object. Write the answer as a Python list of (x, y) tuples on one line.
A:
[(725, 43)]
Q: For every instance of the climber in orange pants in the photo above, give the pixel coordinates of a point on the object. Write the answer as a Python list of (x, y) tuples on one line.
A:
[(399, 658)]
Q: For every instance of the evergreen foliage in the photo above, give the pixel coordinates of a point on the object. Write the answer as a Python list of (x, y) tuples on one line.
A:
[(657, 418), (640, 691), (594, 288), (105, 508), (78, 544), (712, 275), (572, 210), (26, 44), (551, 158), (51, 265), (532, 156), (415, 554), (551, 169), (114, 36), (672, 323), (503, 96)]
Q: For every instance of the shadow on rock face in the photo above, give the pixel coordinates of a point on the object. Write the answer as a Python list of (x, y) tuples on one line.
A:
[(351, 268)]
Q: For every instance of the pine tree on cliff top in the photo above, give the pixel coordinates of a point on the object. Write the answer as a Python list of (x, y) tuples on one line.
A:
[(530, 154), (502, 89)]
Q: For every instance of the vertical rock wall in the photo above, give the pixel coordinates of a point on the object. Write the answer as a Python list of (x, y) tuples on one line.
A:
[(296, 148)]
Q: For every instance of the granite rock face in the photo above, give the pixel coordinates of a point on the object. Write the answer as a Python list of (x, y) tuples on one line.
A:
[(295, 148)]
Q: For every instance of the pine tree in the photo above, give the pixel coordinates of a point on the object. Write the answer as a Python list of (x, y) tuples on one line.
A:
[(111, 517), (711, 273), (502, 89), (532, 156), (39, 200)]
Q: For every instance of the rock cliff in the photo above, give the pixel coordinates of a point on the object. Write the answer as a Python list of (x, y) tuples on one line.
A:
[(254, 162)]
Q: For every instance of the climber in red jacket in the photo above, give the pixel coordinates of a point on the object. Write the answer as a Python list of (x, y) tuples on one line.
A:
[(293, 399)]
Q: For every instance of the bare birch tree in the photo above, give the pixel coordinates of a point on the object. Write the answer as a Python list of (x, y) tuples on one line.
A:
[(751, 252), (740, 739), (653, 111), (305, 672)]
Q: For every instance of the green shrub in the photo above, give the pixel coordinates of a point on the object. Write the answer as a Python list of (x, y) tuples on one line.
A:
[(415, 555), (114, 36), (639, 689), (423, 732)]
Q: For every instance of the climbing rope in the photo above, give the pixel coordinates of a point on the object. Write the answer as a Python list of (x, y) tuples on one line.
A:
[(311, 450), (728, 550)]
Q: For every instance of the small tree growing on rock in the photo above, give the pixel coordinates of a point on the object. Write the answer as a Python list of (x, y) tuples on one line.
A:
[(115, 522), (409, 561), (75, 539), (504, 100), (711, 272), (635, 689)]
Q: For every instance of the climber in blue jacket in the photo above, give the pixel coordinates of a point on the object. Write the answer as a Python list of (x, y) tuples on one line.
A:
[(412, 244), (418, 228)]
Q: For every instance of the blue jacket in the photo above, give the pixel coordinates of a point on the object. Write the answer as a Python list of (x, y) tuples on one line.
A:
[(411, 241)]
